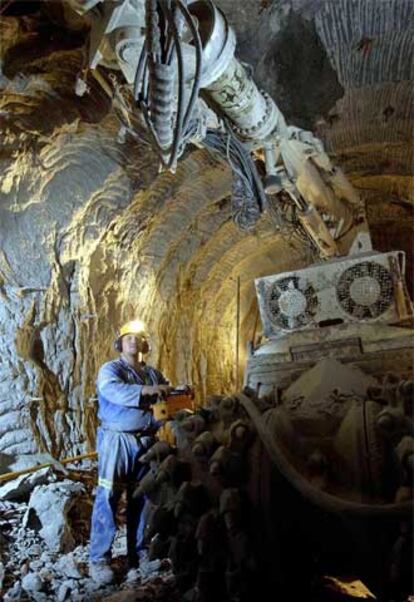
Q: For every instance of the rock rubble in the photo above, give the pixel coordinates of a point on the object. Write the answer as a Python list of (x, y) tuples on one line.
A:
[(42, 559)]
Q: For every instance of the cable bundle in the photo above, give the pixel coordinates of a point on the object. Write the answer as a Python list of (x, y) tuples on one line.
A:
[(155, 85), (248, 196), (286, 210), (160, 95)]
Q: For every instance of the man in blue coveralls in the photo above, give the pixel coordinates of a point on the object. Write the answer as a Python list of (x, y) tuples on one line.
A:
[(126, 387)]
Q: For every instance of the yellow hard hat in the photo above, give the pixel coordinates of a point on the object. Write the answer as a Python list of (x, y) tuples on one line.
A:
[(132, 327)]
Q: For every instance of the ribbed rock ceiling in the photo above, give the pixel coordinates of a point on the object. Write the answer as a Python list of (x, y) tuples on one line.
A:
[(91, 234)]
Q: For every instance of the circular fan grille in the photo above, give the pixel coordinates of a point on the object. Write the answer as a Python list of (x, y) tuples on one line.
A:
[(290, 305), (365, 290)]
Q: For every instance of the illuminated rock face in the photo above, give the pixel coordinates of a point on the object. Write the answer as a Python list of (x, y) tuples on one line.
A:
[(91, 235)]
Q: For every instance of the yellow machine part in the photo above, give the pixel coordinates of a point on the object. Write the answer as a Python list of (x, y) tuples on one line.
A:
[(160, 410), (166, 408), (166, 433)]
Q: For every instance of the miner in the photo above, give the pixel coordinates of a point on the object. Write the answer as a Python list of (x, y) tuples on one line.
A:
[(126, 389)]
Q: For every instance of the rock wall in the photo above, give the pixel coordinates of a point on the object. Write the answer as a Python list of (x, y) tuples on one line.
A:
[(91, 235)]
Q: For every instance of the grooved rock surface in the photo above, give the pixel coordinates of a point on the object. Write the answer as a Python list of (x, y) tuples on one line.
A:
[(92, 235)]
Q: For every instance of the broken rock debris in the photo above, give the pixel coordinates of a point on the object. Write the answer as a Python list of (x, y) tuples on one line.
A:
[(44, 552)]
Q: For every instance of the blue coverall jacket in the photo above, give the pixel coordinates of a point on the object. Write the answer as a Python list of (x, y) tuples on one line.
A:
[(126, 421)]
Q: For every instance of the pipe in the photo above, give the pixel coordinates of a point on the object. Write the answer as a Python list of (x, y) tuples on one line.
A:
[(253, 114), (8, 476)]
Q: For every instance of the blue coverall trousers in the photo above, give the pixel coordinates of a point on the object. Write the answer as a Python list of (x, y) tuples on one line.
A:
[(118, 467)]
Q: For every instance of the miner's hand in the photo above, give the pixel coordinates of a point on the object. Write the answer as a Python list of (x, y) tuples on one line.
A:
[(156, 390), (165, 390)]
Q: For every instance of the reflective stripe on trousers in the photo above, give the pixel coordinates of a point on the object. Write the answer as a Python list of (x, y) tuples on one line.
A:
[(118, 466)]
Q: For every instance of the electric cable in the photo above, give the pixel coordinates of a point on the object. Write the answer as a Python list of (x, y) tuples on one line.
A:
[(142, 65), (163, 43), (248, 196), (199, 61), (159, 50)]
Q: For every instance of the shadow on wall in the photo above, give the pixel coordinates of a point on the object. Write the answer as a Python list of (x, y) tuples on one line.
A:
[(295, 69)]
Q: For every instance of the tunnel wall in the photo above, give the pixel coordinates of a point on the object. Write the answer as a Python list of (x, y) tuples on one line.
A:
[(92, 235)]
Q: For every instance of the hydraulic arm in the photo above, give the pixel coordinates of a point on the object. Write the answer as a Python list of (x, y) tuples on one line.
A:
[(178, 59)]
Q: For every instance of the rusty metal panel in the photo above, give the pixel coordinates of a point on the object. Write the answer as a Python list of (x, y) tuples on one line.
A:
[(343, 348)]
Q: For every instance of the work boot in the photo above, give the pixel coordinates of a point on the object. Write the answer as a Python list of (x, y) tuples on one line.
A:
[(101, 572), (147, 566)]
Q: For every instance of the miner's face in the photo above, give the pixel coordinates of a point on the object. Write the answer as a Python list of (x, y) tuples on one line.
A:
[(133, 344)]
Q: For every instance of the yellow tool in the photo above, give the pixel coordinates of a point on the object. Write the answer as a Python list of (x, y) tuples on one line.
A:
[(179, 399)]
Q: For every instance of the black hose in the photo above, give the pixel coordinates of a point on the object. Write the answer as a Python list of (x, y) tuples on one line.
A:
[(199, 61), (323, 500), (142, 65)]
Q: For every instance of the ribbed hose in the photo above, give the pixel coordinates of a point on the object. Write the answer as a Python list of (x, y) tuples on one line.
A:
[(161, 102), (153, 33), (167, 120), (161, 80)]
